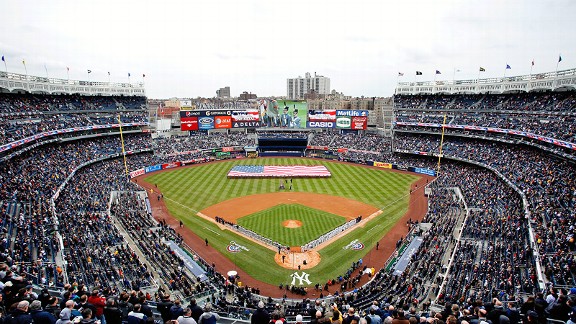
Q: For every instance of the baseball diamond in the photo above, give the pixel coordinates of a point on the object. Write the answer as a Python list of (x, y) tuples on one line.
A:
[(351, 192)]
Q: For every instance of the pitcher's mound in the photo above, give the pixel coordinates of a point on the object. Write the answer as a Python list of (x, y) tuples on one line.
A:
[(291, 223), (294, 259)]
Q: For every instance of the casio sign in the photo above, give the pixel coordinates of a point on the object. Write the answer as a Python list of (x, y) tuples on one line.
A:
[(321, 124), (343, 122)]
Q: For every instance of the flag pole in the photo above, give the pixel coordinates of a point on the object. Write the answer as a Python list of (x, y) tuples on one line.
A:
[(46, 69), (478, 79), (5, 66), (122, 141), (28, 83), (441, 144)]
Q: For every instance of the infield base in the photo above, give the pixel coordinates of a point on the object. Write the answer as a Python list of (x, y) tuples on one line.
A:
[(294, 259)]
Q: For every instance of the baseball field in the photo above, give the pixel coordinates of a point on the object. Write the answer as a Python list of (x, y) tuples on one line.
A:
[(290, 217)]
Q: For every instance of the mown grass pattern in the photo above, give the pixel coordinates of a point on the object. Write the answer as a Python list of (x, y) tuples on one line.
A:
[(190, 190), (268, 223)]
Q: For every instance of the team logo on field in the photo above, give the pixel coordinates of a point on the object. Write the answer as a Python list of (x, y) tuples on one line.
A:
[(234, 247), (354, 245), (302, 278)]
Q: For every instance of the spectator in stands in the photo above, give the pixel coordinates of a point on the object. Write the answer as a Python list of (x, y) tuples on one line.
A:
[(64, 317), (261, 315), (112, 313), (87, 317), (164, 308), (136, 316), (208, 317), (20, 315), (187, 317), (125, 306), (99, 303), (176, 310), (196, 310), (53, 306), (40, 316)]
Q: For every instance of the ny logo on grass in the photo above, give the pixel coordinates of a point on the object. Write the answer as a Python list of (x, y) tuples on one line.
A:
[(303, 278)]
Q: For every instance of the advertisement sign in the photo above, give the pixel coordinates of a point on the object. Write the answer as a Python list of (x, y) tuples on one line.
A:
[(228, 149), (315, 124), (205, 122), (153, 168), (190, 113), (189, 123), (222, 122), (343, 122), (136, 173), (322, 115), (383, 165), (352, 113), (359, 123), (171, 165)]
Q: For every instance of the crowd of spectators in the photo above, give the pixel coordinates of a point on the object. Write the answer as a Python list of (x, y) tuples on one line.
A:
[(547, 182), (544, 114), (199, 141), (491, 257)]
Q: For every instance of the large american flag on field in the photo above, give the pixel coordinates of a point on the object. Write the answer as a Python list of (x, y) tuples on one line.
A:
[(277, 171)]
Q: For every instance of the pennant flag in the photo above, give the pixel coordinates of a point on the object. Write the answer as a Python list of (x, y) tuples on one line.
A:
[(128, 74), (438, 72), (458, 70), (68, 69), (418, 73), (399, 73), (108, 73), (143, 75), (23, 62), (532, 62), (482, 69), (89, 71), (508, 67), (559, 58), (3, 60)]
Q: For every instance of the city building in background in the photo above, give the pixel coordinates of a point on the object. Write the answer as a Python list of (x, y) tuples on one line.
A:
[(247, 96), (223, 92), (309, 86)]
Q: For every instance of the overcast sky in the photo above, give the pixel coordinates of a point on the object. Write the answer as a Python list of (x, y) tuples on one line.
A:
[(192, 48)]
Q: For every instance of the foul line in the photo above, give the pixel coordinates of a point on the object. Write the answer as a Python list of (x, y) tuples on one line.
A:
[(193, 210)]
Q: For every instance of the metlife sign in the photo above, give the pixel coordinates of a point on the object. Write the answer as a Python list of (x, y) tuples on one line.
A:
[(352, 113)]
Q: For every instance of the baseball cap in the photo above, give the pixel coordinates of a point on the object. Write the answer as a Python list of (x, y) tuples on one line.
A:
[(261, 304), (299, 318)]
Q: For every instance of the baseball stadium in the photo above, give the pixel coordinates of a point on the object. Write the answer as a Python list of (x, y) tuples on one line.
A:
[(142, 198), (245, 217)]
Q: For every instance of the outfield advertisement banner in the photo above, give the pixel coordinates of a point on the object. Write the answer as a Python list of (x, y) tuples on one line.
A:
[(383, 165), (136, 173), (423, 171), (153, 168), (171, 165)]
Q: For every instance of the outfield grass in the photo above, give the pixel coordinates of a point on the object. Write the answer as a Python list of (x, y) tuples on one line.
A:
[(188, 190), (268, 223)]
